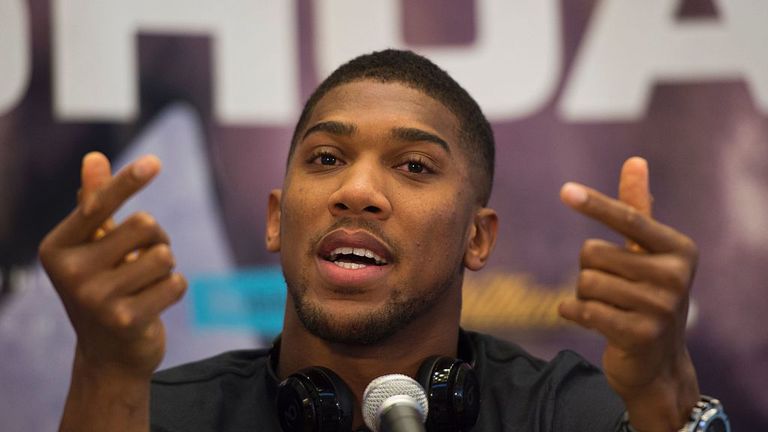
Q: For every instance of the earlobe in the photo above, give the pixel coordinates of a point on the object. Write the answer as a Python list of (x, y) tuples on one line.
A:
[(272, 237), (482, 237)]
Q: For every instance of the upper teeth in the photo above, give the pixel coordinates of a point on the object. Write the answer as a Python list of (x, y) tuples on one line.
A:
[(361, 252)]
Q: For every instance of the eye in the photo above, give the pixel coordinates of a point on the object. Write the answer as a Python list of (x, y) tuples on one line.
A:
[(324, 158), (417, 165), (327, 159)]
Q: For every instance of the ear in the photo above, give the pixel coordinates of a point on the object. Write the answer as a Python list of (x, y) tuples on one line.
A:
[(482, 237), (272, 237)]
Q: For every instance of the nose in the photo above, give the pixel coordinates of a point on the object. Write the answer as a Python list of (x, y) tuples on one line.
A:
[(361, 192)]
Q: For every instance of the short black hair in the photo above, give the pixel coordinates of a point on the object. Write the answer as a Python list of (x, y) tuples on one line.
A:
[(419, 73)]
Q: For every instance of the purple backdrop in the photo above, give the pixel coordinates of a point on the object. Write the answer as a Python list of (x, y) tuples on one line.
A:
[(701, 124)]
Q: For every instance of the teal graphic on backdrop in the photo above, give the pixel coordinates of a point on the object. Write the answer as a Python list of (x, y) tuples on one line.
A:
[(252, 299)]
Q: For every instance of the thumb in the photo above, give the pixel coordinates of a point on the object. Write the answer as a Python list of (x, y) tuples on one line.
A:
[(634, 189), (95, 172)]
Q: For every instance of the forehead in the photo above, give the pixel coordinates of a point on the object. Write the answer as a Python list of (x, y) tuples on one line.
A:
[(372, 104)]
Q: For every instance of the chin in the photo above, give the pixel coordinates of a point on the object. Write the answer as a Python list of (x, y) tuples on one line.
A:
[(351, 324), (362, 320)]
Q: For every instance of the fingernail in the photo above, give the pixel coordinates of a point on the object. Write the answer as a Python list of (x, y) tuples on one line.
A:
[(90, 155), (638, 160), (573, 194), (143, 167)]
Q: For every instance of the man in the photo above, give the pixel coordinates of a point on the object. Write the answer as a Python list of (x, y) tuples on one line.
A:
[(383, 206)]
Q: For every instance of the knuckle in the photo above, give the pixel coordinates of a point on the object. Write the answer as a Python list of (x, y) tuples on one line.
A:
[(666, 305), (70, 267), (591, 246), (588, 250), (620, 326), (163, 255), (86, 297), (121, 316), (586, 314), (45, 248), (633, 217), (178, 285), (648, 332), (181, 282), (148, 229), (678, 273), (587, 284), (689, 249), (144, 221)]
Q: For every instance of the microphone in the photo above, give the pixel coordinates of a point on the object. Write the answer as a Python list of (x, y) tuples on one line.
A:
[(395, 403)]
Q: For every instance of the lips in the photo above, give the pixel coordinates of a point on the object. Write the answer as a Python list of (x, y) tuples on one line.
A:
[(353, 260), (352, 249)]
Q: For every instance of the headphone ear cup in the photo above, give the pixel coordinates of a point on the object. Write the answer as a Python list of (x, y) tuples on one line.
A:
[(453, 392), (314, 399)]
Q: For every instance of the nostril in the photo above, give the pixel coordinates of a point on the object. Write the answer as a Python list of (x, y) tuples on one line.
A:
[(373, 209), (341, 206)]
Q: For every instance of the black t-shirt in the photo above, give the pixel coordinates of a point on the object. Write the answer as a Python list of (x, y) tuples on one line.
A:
[(235, 391)]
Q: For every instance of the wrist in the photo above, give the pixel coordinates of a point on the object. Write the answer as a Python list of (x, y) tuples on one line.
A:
[(666, 403), (105, 396), (99, 371), (708, 415)]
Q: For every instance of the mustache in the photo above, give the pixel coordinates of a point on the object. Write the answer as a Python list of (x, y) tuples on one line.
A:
[(353, 223)]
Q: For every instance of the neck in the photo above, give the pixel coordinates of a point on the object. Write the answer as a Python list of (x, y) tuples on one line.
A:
[(358, 365)]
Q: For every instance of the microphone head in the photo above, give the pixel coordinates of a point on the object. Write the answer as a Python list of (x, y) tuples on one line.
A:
[(387, 390)]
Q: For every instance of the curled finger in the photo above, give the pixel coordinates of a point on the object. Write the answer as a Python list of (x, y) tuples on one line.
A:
[(624, 294), (628, 330), (151, 301), (138, 231), (156, 263)]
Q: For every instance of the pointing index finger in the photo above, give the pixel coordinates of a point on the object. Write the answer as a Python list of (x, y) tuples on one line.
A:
[(623, 218)]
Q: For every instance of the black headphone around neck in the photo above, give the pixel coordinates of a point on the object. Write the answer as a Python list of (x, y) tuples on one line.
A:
[(315, 399)]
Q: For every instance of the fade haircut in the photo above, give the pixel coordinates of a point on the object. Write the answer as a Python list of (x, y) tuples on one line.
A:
[(419, 73)]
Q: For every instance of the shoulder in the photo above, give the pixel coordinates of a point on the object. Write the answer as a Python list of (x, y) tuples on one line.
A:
[(231, 391), (497, 356), (520, 390), (238, 363)]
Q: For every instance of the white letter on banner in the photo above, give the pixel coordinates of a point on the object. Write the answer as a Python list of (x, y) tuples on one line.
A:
[(511, 69), (630, 45), (14, 51), (254, 50)]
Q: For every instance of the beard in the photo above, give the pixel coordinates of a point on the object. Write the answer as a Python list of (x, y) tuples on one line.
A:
[(368, 327), (364, 328), (405, 303)]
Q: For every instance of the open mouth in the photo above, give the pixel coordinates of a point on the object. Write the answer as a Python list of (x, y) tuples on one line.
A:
[(354, 250), (355, 258)]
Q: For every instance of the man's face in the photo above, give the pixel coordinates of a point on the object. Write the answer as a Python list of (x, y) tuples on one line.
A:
[(376, 212)]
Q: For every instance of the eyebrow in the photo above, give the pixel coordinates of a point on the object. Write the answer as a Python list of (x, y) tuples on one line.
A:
[(334, 127), (414, 134)]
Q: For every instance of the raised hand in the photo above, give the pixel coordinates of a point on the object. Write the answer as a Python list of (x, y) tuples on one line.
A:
[(112, 294), (637, 298)]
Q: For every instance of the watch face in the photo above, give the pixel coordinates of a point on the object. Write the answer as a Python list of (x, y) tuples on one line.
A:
[(717, 425)]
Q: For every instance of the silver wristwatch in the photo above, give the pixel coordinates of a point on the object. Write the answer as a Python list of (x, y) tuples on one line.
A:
[(707, 416)]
